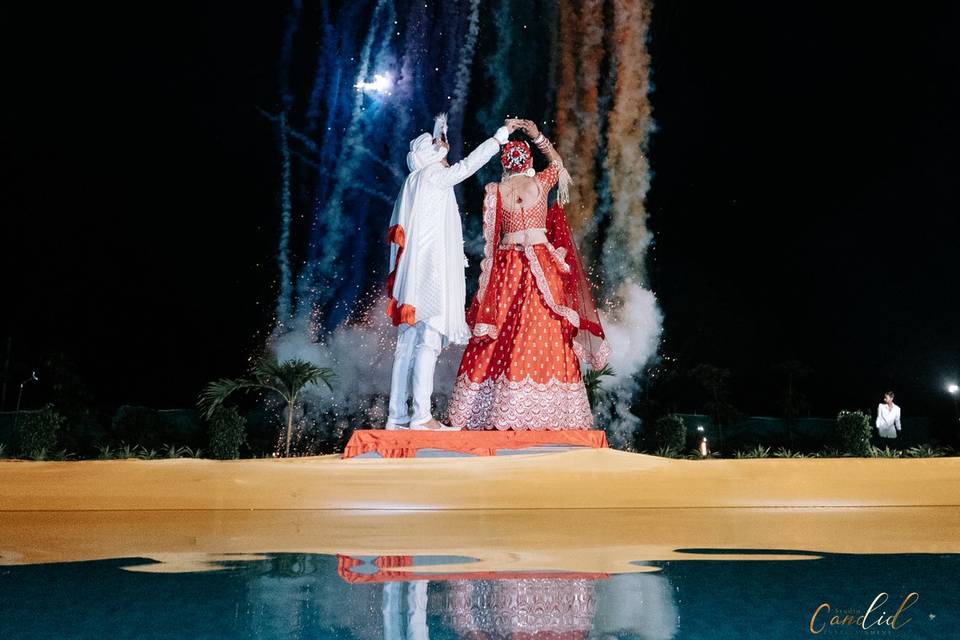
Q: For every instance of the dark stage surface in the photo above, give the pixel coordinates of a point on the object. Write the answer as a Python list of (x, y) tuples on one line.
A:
[(804, 199)]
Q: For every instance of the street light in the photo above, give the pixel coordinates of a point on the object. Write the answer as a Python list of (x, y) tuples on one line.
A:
[(954, 390), (16, 416)]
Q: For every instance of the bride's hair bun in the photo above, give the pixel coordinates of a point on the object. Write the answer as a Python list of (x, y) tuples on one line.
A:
[(516, 156)]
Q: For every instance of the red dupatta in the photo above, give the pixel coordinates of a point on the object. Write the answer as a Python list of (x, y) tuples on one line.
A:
[(576, 305)]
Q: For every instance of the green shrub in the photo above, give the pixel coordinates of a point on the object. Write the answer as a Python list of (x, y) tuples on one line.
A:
[(757, 452), (137, 424), (152, 427), (126, 451), (668, 452), (783, 452), (925, 451), (173, 451), (37, 432), (83, 430), (228, 432), (830, 452), (694, 454), (670, 432), (853, 432), (886, 452), (148, 454)]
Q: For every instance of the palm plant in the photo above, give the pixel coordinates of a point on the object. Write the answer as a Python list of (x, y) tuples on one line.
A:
[(924, 451), (173, 451), (783, 452), (759, 451), (147, 454), (126, 452), (669, 452), (831, 452), (591, 380), (288, 379)]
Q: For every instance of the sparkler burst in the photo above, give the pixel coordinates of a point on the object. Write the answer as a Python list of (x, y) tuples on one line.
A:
[(382, 83), (343, 135)]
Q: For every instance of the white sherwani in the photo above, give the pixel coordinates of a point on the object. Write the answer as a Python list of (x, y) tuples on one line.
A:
[(428, 293), (430, 275)]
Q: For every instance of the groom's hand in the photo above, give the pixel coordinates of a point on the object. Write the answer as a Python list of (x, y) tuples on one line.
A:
[(512, 124), (530, 128)]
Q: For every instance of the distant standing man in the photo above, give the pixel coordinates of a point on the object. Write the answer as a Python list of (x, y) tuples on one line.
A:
[(888, 417)]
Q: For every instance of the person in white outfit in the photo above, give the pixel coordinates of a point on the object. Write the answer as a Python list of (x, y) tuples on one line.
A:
[(888, 417), (416, 611), (426, 287)]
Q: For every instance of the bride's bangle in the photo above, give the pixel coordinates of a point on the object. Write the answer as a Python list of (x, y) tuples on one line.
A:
[(542, 142)]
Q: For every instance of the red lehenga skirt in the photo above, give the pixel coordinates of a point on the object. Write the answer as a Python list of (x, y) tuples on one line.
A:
[(529, 376)]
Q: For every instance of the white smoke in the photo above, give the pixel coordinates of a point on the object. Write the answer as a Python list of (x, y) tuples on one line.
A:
[(462, 82), (633, 330), (361, 355)]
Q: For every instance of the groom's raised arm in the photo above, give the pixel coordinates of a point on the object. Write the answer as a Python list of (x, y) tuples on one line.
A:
[(457, 173)]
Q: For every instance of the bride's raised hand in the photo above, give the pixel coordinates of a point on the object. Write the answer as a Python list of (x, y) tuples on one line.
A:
[(530, 128)]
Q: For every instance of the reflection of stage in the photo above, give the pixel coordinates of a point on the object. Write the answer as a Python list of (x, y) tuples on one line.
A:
[(495, 605), (503, 541), (359, 570), (406, 443)]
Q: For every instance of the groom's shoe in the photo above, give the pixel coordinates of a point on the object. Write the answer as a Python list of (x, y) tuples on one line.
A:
[(433, 425)]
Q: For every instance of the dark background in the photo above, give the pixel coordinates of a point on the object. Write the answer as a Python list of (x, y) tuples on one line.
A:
[(804, 201)]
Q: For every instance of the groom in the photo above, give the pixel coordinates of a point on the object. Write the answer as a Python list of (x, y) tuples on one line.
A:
[(425, 289)]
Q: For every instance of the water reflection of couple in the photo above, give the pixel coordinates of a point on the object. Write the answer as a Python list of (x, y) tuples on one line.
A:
[(533, 318), (639, 605)]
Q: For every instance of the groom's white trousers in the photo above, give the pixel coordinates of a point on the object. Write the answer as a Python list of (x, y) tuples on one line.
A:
[(414, 363)]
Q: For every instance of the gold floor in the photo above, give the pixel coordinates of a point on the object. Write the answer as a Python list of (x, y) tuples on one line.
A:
[(590, 478), (597, 510)]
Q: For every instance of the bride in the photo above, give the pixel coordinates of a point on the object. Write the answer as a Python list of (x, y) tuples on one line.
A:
[(533, 318)]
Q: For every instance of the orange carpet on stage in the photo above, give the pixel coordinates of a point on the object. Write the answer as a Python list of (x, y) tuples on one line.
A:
[(404, 443)]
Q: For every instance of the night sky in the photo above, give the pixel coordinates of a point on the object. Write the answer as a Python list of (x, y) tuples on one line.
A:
[(804, 200)]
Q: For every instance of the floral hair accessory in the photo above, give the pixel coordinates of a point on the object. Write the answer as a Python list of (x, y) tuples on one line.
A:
[(516, 156)]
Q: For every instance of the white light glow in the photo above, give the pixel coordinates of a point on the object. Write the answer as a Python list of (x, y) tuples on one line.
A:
[(953, 388), (381, 84)]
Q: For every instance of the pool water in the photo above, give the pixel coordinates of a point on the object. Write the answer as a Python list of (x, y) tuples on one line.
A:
[(301, 595)]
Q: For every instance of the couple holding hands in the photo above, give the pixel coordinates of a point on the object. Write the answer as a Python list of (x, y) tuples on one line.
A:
[(532, 321)]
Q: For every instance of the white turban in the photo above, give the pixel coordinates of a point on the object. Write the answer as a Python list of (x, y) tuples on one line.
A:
[(423, 152)]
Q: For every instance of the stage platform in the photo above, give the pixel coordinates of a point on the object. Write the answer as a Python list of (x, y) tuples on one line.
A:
[(580, 478), (404, 443)]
